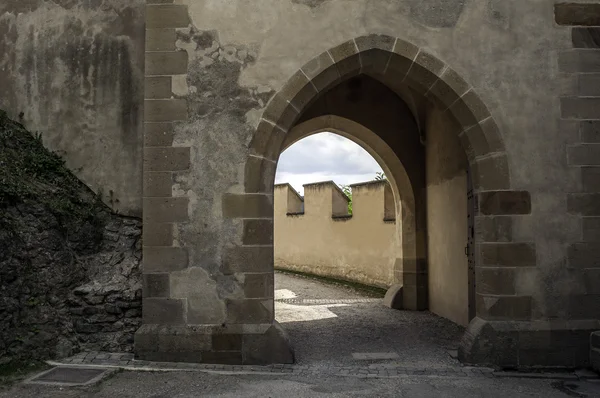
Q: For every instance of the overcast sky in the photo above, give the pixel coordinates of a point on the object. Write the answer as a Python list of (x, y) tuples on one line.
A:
[(322, 157)]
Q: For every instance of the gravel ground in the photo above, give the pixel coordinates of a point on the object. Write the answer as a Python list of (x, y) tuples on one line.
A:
[(336, 322), (188, 385), (420, 339)]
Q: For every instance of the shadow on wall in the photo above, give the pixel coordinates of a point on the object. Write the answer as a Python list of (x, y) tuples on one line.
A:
[(317, 235)]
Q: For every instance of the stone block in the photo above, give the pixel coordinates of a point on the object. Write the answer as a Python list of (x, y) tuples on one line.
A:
[(580, 108), (512, 308), (259, 175), (455, 82), (154, 234), (157, 87), (482, 139), (588, 85), (166, 63), (165, 110), (595, 340), (258, 232), (247, 259), (491, 173), (470, 110), (487, 343), (227, 342), (272, 347), (584, 255), (414, 265), (443, 93), (412, 278), (165, 210), (267, 141), (595, 359), (375, 52), (167, 16), (164, 259), (346, 59), (590, 131), (591, 279), (172, 343), (158, 134), (590, 179), (155, 285), (425, 71), (223, 357), (259, 285), (298, 91), (571, 14), (515, 345), (591, 229), (585, 204), (414, 298), (280, 113), (166, 158), (255, 311), (504, 202), (322, 71), (158, 184), (161, 39), (159, 1), (583, 306), (583, 155), (401, 60), (494, 228), (163, 311), (507, 254), (250, 205), (393, 297), (579, 61), (375, 41), (496, 281)]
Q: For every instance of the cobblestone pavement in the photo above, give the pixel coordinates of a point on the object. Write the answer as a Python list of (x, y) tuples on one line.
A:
[(344, 339)]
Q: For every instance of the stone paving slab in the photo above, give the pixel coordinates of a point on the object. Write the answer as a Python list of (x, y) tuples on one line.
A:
[(127, 362)]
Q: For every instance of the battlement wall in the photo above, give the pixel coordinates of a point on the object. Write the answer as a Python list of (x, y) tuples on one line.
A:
[(316, 233)]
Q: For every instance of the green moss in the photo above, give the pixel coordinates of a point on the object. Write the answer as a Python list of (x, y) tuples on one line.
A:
[(372, 291), (29, 173), (13, 372)]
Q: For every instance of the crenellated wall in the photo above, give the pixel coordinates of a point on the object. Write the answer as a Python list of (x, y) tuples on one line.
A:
[(315, 234)]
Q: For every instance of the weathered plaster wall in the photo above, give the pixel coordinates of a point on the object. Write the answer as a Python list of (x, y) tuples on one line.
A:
[(446, 165), (502, 48), (321, 241), (74, 72)]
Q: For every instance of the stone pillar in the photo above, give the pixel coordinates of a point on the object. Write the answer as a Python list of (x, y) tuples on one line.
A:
[(185, 317), (595, 351)]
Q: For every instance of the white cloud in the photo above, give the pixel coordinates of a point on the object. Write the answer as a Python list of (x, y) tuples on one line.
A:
[(325, 156)]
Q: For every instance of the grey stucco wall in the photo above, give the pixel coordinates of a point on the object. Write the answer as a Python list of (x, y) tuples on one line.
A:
[(74, 72), (506, 49)]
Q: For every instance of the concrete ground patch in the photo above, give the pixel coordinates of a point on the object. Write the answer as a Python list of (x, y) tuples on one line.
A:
[(370, 356), (70, 376)]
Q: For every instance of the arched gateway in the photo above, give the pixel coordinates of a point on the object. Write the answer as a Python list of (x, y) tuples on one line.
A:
[(208, 242)]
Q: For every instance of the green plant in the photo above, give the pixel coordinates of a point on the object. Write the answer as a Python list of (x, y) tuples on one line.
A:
[(348, 191), (29, 173), (380, 176)]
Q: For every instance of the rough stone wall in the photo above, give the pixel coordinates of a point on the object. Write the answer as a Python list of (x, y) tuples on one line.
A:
[(70, 275), (361, 247), (56, 299), (74, 70)]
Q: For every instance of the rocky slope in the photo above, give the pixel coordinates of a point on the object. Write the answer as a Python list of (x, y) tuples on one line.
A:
[(70, 275)]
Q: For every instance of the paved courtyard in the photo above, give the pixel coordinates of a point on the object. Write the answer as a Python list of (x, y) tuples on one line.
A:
[(347, 345)]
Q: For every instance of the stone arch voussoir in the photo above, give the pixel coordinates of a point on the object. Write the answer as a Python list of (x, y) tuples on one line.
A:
[(398, 64)]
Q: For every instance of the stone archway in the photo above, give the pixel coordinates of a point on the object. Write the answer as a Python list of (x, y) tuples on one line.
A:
[(409, 71), (393, 168), (224, 312)]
